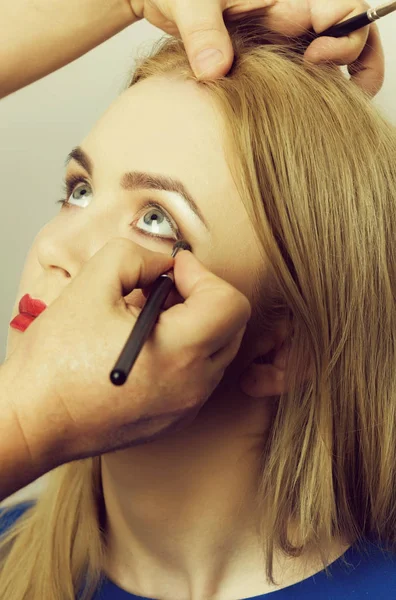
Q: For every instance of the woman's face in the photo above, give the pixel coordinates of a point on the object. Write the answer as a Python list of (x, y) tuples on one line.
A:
[(162, 127)]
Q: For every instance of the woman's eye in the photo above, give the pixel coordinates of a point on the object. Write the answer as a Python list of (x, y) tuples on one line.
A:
[(158, 223), (79, 193)]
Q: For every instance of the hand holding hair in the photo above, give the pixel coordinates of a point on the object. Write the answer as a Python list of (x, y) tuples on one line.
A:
[(202, 25)]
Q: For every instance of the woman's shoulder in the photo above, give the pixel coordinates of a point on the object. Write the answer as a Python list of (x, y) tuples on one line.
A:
[(10, 514)]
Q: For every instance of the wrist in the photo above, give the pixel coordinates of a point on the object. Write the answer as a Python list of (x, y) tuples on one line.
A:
[(36, 421), (21, 463)]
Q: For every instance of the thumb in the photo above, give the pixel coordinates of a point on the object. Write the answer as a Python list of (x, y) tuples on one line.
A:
[(205, 37)]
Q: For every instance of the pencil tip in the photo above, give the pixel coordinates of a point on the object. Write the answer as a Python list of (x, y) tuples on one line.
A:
[(180, 245)]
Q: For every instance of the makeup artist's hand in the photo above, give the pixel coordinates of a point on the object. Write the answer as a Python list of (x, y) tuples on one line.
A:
[(61, 365), (200, 23)]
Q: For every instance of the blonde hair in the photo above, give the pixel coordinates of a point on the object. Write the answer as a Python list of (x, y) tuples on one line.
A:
[(315, 164)]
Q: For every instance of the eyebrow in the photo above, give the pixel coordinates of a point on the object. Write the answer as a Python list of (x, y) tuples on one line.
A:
[(139, 180)]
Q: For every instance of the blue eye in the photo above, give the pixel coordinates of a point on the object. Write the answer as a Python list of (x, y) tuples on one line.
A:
[(81, 188), (150, 218), (75, 190)]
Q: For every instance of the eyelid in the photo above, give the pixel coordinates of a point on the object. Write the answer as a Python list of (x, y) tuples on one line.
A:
[(71, 181)]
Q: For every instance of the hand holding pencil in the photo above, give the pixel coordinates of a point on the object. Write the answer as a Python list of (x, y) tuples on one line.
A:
[(72, 400)]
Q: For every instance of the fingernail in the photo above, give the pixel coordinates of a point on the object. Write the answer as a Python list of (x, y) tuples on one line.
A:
[(206, 60)]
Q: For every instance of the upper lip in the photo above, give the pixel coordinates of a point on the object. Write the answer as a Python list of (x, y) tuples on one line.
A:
[(31, 306)]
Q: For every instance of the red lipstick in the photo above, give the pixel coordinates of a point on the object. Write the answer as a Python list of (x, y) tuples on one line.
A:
[(29, 309)]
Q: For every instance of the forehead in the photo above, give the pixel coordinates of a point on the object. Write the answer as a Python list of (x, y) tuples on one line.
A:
[(173, 127), (169, 126)]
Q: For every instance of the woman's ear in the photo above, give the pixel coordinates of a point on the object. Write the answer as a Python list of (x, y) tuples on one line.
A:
[(265, 376)]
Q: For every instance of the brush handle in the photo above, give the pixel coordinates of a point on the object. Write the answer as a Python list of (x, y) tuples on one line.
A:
[(359, 21), (346, 27), (142, 329)]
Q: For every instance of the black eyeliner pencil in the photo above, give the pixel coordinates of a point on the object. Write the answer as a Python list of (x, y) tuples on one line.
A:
[(145, 322), (359, 21)]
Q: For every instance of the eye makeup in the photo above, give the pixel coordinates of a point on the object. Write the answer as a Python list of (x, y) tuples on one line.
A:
[(72, 181)]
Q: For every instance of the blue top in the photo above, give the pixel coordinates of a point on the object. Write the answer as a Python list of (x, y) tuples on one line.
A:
[(370, 576)]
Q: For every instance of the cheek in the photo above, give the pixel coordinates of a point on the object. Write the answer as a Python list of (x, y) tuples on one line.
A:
[(230, 268)]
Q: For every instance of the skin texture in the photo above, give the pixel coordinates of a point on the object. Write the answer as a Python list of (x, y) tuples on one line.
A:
[(200, 538)]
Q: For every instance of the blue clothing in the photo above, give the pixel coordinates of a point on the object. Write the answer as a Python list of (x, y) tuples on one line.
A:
[(370, 576)]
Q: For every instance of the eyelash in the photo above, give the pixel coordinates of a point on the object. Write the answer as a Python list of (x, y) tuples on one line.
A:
[(71, 182)]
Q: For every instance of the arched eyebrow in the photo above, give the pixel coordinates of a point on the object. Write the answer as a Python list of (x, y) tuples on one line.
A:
[(139, 180)]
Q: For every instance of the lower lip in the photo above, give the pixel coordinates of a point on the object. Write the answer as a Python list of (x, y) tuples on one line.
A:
[(22, 321)]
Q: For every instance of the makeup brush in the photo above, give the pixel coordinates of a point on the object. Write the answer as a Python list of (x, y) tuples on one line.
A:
[(359, 21), (146, 320)]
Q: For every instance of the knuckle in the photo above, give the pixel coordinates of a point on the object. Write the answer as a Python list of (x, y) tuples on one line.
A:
[(379, 81), (241, 302), (231, 297), (246, 306), (373, 86)]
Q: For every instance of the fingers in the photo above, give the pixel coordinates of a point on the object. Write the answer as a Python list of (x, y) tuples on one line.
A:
[(120, 266), (205, 36), (369, 71), (342, 51), (363, 45), (223, 357), (202, 29), (152, 13), (325, 14), (213, 311)]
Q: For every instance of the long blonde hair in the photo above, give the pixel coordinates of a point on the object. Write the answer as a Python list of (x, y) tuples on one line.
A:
[(315, 164)]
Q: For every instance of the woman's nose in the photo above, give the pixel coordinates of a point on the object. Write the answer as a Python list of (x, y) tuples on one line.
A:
[(66, 244)]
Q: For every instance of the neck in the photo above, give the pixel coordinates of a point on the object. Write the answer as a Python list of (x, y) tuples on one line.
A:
[(182, 513), (184, 506)]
